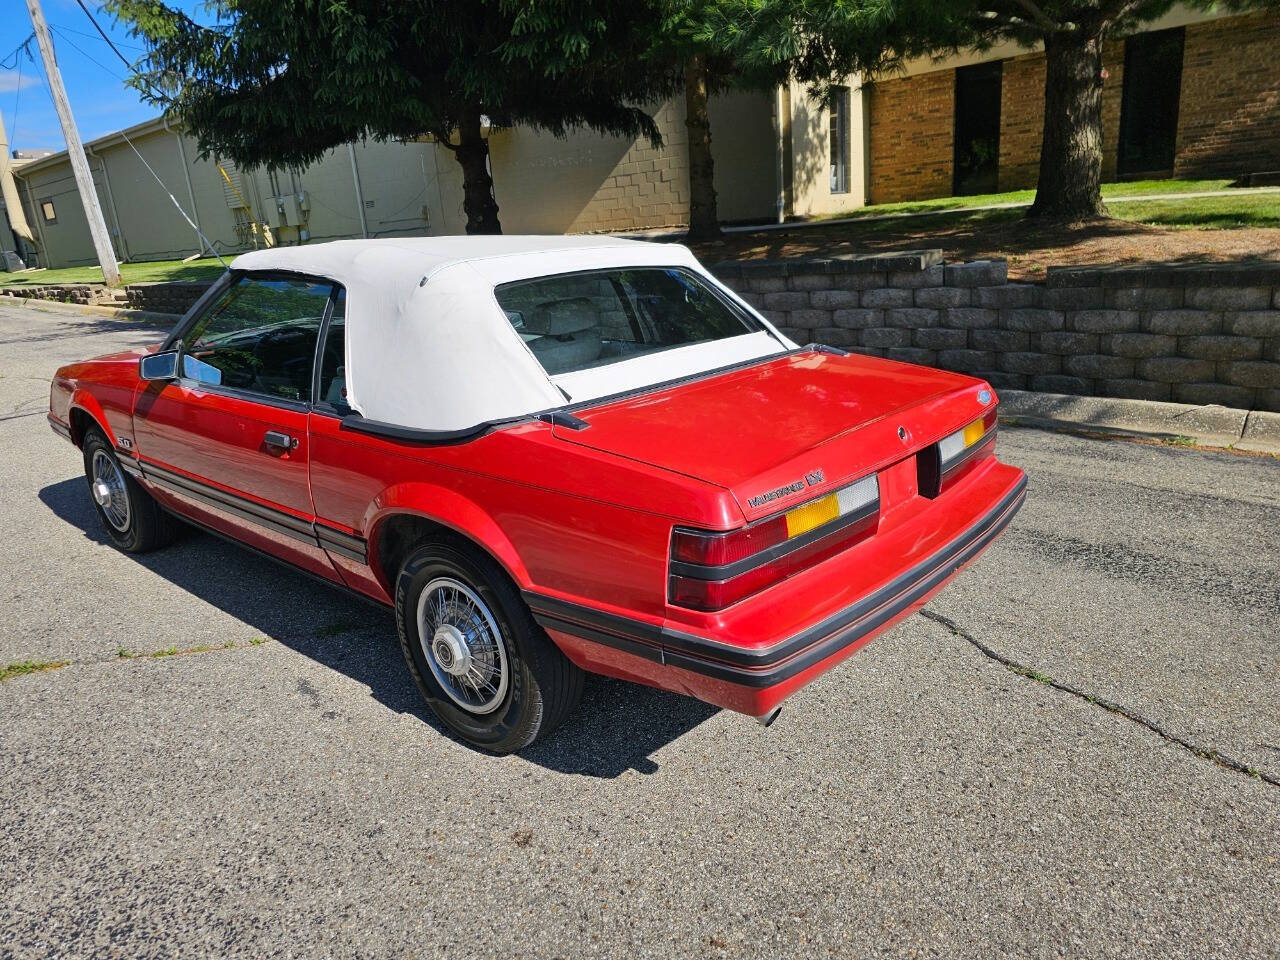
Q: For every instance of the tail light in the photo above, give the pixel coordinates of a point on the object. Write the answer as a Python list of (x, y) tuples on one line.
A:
[(945, 462), (710, 570)]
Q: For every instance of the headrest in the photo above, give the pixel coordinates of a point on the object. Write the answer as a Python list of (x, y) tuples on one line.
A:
[(557, 318)]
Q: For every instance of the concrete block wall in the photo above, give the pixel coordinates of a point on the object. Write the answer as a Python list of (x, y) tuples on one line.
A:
[(1193, 335)]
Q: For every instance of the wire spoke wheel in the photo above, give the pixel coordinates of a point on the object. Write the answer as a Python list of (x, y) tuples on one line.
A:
[(108, 489), (463, 645)]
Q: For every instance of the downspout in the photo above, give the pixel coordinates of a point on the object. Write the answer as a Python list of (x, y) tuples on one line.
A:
[(355, 177), (111, 203), (186, 175)]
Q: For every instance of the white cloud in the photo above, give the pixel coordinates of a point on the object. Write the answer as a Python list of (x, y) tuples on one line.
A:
[(9, 80)]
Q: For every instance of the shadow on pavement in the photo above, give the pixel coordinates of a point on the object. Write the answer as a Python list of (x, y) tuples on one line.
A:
[(616, 728), (54, 326)]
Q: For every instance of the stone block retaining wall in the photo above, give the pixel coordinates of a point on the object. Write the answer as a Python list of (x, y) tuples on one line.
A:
[(83, 293), (158, 297), (1205, 334)]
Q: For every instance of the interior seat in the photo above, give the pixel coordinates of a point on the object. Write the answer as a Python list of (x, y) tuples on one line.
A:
[(568, 333)]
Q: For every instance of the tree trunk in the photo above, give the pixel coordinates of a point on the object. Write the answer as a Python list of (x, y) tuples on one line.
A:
[(472, 153), (704, 222), (1069, 187)]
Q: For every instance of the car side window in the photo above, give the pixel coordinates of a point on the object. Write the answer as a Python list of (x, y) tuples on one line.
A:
[(332, 392), (259, 336)]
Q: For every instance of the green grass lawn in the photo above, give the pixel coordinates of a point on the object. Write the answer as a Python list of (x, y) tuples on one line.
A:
[(1251, 208), (1131, 188), (153, 272), (1203, 213)]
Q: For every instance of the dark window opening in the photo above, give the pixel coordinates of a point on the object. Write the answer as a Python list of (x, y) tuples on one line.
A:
[(977, 130), (1149, 102)]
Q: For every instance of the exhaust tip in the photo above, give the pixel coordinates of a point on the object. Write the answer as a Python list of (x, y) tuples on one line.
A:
[(766, 719)]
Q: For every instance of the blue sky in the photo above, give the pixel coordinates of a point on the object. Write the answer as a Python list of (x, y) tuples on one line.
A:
[(99, 99)]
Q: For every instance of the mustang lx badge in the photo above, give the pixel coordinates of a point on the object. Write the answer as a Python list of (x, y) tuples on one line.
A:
[(810, 480)]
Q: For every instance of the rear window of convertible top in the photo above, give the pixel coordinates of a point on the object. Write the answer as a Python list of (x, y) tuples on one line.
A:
[(574, 321)]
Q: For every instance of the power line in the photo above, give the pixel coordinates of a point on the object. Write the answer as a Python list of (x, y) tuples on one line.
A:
[(60, 32), (17, 99), (163, 186), (92, 19), (94, 36), (10, 60)]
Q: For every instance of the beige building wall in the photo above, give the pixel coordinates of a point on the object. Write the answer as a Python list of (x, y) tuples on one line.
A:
[(583, 182), (591, 183), (65, 241), (810, 148), (145, 223)]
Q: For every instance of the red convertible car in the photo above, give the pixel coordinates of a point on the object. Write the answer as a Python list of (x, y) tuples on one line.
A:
[(551, 455)]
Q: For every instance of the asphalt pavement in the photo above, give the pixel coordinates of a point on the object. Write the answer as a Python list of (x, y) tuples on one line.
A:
[(1075, 750)]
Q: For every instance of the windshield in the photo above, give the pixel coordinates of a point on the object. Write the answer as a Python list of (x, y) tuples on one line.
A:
[(575, 321)]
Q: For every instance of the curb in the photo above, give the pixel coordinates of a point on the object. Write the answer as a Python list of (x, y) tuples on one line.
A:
[(92, 310), (1256, 431)]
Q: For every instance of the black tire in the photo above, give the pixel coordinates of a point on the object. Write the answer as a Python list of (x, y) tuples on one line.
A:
[(543, 686), (147, 526)]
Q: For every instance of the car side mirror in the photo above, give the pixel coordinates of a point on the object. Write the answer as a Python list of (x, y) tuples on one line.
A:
[(159, 366)]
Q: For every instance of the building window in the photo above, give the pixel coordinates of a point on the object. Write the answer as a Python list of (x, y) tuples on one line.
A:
[(47, 211), (840, 140)]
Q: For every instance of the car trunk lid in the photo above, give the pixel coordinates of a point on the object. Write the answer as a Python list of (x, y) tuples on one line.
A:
[(779, 432)]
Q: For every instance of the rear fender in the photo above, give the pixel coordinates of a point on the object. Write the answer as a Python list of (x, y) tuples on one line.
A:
[(449, 509)]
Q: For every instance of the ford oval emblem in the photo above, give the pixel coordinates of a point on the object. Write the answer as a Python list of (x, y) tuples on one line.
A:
[(984, 397)]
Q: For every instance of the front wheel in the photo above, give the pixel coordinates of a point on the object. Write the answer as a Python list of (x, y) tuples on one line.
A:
[(485, 668), (134, 522)]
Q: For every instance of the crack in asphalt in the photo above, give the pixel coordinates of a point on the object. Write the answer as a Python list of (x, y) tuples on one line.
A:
[(125, 656), (1013, 666), (19, 416)]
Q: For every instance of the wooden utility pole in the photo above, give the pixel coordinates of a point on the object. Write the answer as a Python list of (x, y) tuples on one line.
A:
[(75, 151)]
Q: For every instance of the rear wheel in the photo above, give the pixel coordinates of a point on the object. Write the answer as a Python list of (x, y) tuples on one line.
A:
[(485, 668), (134, 522)]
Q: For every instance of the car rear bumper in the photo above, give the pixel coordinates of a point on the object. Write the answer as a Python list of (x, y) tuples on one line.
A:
[(753, 678)]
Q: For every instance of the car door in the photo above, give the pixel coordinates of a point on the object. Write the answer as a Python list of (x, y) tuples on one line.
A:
[(226, 443)]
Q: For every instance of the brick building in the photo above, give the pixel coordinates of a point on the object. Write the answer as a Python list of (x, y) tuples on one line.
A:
[(1193, 94)]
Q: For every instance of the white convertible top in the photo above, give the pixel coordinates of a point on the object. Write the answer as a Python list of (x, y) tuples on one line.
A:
[(428, 347)]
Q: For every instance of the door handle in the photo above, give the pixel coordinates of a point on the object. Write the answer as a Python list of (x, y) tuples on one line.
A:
[(274, 438)]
